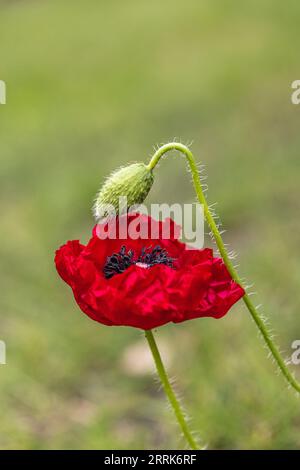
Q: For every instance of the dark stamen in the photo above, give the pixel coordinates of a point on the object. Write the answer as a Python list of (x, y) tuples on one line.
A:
[(157, 256), (117, 263)]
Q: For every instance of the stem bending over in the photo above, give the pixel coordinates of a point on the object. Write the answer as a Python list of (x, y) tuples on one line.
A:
[(220, 244), (169, 391)]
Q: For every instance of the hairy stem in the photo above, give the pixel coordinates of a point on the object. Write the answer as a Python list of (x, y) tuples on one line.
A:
[(222, 249), (169, 391)]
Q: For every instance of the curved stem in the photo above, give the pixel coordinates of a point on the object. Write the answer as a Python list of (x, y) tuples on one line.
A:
[(220, 244), (169, 391)]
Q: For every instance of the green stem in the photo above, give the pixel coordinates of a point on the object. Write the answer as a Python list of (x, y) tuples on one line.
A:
[(169, 391), (220, 244)]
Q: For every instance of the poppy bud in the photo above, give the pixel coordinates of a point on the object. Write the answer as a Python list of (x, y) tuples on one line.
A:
[(132, 182)]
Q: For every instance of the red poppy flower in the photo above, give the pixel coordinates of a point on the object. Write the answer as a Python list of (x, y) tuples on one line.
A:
[(146, 282)]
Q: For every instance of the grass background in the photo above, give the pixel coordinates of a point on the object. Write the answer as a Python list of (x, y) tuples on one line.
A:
[(93, 85)]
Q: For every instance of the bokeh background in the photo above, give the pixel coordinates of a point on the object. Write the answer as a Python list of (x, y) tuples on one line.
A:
[(93, 85)]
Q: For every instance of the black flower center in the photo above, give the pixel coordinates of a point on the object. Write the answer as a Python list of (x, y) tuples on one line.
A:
[(117, 263)]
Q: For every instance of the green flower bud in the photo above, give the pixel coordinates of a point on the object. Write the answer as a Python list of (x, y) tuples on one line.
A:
[(132, 182)]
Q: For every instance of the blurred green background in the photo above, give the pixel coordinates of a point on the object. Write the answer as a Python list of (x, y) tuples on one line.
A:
[(93, 85)]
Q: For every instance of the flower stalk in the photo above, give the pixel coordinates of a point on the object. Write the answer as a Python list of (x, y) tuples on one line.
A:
[(223, 252), (169, 391)]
